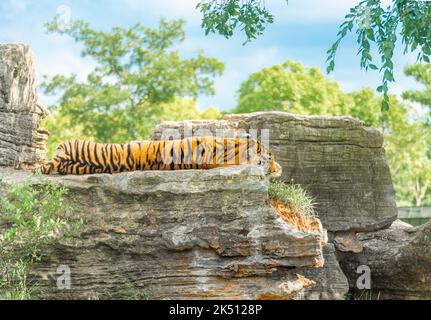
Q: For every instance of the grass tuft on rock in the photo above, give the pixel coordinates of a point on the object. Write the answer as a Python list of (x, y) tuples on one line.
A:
[(295, 206), (294, 197)]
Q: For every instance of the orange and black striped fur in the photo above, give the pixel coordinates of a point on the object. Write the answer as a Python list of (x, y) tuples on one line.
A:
[(206, 152)]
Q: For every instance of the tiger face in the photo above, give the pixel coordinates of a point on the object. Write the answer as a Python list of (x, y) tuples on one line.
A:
[(267, 161), (56, 165)]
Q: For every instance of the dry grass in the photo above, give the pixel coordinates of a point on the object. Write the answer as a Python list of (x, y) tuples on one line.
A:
[(294, 196), (300, 221), (295, 206)]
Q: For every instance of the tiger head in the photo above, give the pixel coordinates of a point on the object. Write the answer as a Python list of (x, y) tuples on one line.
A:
[(49, 167), (265, 159), (55, 165), (270, 166)]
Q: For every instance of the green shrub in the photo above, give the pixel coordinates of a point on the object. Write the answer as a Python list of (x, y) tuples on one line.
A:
[(32, 214), (293, 196)]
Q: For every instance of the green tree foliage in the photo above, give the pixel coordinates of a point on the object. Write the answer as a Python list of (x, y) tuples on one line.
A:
[(137, 71), (408, 154), (34, 213), (374, 24), (225, 16), (291, 87), (422, 166), (294, 88), (62, 128), (422, 74)]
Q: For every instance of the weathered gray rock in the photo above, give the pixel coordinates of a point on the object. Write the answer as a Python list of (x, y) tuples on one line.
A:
[(179, 234), (347, 242), (331, 283), (399, 259), (337, 159), (22, 141)]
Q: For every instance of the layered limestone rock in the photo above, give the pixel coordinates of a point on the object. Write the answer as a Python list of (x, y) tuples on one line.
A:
[(337, 159), (182, 234), (331, 283), (22, 141), (399, 261)]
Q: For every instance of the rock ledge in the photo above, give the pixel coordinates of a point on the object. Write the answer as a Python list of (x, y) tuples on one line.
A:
[(180, 234)]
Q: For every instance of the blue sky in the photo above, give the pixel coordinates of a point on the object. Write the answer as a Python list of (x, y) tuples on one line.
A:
[(303, 31)]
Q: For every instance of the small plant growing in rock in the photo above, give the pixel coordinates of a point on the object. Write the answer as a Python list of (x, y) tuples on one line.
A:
[(31, 216), (293, 196), (294, 205)]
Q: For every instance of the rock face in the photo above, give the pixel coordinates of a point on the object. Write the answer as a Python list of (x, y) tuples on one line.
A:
[(399, 260), (338, 160), (182, 234), (22, 142), (331, 283)]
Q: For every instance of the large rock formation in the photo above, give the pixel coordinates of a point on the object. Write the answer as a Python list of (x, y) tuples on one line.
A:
[(184, 234), (212, 233), (337, 159), (22, 142), (399, 260)]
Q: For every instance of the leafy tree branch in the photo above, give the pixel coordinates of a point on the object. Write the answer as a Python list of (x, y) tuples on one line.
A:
[(380, 26), (225, 16)]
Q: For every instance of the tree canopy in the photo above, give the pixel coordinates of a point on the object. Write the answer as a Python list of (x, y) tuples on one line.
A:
[(373, 24), (291, 87), (422, 74), (138, 73)]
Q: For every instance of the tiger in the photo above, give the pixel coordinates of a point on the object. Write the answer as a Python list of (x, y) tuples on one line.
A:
[(78, 157)]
